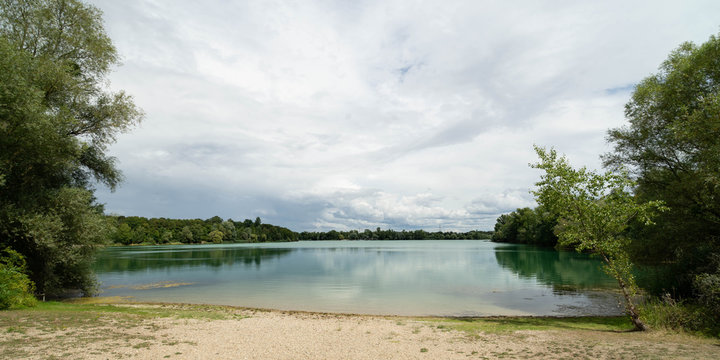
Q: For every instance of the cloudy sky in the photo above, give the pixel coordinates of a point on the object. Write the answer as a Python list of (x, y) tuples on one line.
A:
[(319, 115)]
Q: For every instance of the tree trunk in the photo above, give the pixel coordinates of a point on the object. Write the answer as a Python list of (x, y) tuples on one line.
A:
[(629, 305), (631, 310)]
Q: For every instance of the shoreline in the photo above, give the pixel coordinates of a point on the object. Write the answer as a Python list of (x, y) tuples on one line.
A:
[(596, 310), (294, 241), (120, 300), (186, 331)]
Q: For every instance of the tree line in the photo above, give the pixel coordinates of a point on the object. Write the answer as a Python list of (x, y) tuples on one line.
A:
[(390, 234), (132, 230)]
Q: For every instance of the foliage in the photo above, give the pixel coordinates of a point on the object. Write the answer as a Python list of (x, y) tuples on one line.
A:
[(526, 226), (139, 230), (15, 286), (216, 236), (594, 212), (667, 313), (56, 120), (391, 234), (672, 146), (707, 288)]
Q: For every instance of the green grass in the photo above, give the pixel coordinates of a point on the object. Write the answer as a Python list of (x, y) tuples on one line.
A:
[(510, 324), (206, 312)]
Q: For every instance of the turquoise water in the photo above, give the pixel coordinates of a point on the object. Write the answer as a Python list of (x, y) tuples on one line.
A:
[(448, 278)]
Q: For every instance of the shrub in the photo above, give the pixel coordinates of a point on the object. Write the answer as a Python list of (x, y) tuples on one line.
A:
[(667, 313), (707, 287), (15, 286)]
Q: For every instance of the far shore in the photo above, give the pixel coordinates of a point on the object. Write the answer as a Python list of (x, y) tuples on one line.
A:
[(284, 242), (108, 328)]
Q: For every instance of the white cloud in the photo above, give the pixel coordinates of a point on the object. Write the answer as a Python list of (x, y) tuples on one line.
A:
[(398, 114)]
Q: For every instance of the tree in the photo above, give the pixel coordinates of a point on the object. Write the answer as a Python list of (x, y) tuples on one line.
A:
[(216, 236), (57, 119), (229, 231), (594, 212), (167, 236), (186, 235), (123, 234), (672, 147), (245, 234)]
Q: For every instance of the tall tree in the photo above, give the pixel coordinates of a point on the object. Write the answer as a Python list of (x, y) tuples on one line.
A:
[(672, 147), (57, 118), (594, 212)]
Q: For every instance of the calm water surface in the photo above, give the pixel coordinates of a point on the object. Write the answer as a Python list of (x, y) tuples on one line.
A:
[(452, 278)]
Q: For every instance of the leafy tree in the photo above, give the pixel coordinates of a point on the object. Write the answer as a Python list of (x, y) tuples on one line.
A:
[(216, 236), (187, 235), (594, 212), (672, 147), (167, 236), (229, 230), (140, 235), (56, 120), (244, 234), (123, 234), (199, 232)]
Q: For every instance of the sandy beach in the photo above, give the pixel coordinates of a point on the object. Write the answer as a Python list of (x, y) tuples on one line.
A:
[(146, 331)]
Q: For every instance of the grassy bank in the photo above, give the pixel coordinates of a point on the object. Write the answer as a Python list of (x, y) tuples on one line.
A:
[(76, 330)]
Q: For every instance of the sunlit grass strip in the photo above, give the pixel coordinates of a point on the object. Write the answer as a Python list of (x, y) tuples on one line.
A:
[(179, 311), (510, 324)]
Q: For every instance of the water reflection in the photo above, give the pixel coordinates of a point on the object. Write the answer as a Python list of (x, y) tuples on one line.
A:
[(122, 259), (563, 270), (378, 277)]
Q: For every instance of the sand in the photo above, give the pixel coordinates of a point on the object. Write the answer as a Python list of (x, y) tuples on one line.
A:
[(259, 334)]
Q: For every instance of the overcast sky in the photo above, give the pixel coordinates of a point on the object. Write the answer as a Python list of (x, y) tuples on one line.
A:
[(319, 115)]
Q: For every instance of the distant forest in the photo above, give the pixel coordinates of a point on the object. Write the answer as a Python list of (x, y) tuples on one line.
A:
[(133, 230), (139, 230), (390, 234)]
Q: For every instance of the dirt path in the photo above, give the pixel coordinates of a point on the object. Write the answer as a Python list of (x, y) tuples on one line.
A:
[(157, 332)]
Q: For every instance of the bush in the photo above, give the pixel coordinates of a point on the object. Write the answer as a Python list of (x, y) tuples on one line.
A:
[(706, 287), (669, 314), (15, 286)]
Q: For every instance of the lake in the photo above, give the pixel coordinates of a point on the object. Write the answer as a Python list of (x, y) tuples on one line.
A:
[(445, 278)]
